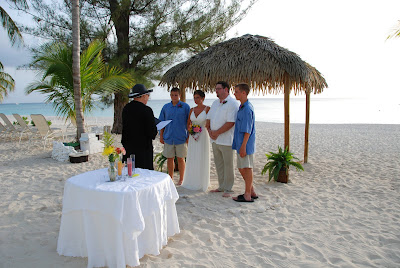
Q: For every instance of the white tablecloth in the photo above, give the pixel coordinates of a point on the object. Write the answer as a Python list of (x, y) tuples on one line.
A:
[(115, 223)]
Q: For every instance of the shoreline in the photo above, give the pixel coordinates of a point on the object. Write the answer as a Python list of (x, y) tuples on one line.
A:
[(272, 110), (108, 120), (342, 211)]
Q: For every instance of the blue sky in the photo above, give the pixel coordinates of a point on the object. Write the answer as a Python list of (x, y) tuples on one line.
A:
[(345, 40)]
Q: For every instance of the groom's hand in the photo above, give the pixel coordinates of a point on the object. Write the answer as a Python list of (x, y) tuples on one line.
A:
[(214, 134)]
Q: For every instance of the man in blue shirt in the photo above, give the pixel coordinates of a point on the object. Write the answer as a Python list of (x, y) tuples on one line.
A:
[(174, 136), (244, 139)]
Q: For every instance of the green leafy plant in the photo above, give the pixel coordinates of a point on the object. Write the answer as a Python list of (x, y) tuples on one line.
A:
[(277, 161), (159, 159), (23, 118)]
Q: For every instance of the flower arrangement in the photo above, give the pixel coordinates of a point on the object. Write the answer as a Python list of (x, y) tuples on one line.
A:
[(195, 131), (225, 101), (179, 105), (112, 152)]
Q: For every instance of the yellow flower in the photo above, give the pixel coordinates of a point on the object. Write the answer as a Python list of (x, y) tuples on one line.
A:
[(108, 150)]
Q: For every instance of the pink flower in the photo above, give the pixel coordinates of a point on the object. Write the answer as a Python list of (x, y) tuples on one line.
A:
[(197, 129), (120, 150)]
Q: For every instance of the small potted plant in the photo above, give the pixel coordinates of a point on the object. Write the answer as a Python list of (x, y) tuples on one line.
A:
[(278, 165), (160, 160)]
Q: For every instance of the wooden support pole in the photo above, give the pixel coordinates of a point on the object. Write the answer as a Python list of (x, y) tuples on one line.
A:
[(183, 95), (307, 127), (287, 114)]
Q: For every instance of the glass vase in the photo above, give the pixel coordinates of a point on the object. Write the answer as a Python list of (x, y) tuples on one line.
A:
[(112, 171)]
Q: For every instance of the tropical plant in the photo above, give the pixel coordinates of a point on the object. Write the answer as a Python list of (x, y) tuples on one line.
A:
[(277, 161), (9, 25), (54, 61), (48, 122), (23, 118), (160, 160), (7, 83)]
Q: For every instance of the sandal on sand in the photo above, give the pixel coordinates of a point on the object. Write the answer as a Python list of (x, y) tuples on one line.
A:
[(254, 197), (240, 198)]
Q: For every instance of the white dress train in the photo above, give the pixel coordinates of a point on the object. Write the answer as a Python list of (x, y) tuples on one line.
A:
[(197, 172)]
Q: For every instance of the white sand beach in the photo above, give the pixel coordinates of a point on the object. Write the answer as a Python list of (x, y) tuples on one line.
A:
[(342, 211)]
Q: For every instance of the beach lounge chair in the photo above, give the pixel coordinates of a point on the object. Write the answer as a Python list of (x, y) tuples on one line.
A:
[(13, 130), (4, 132), (24, 128), (88, 128), (44, 130)]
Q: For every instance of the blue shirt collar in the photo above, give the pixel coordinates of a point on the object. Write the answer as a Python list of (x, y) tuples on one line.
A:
[(244, 104), (179, 102)]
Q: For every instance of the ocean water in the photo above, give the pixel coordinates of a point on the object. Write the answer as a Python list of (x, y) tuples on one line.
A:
[(322, 110)]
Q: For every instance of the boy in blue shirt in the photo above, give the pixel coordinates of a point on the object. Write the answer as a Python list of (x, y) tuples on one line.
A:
[(244, 139), (174, 136)]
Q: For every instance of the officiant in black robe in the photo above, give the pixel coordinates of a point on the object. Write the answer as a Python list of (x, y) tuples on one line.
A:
[(139, 128)]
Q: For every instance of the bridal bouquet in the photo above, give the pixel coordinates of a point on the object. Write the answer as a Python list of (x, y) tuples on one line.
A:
[(195, 130)]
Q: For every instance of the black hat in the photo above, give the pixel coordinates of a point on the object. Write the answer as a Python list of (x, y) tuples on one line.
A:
[(139, 90)]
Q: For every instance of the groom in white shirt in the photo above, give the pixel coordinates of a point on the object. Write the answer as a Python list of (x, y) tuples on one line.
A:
[(220, 121)]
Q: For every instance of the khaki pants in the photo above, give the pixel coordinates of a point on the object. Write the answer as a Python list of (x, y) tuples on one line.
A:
[(223, 159)]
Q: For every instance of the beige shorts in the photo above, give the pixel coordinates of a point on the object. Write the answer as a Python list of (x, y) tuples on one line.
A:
[(244, 162), (170, 151)]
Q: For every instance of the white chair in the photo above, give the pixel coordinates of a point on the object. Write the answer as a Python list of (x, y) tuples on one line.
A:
[(10, 127), (44, 130), (4, 132), (24, 128), (88, 128)]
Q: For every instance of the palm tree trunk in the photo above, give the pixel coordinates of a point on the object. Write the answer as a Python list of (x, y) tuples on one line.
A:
[(76, 70)]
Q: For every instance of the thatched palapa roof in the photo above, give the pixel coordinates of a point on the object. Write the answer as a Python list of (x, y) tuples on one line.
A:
[(252, 59)]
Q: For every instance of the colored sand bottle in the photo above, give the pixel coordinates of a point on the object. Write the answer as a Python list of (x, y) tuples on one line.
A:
[(120, 166), (133, 163), (129, 163)]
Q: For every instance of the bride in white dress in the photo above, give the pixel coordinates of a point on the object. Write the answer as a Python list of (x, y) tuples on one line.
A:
[(197, 172)]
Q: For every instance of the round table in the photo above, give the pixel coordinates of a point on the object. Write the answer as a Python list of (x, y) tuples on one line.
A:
[(114, 224)]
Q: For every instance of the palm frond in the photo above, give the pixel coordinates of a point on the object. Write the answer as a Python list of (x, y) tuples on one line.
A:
[(55, 62), (9, 25), (7, 83)]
